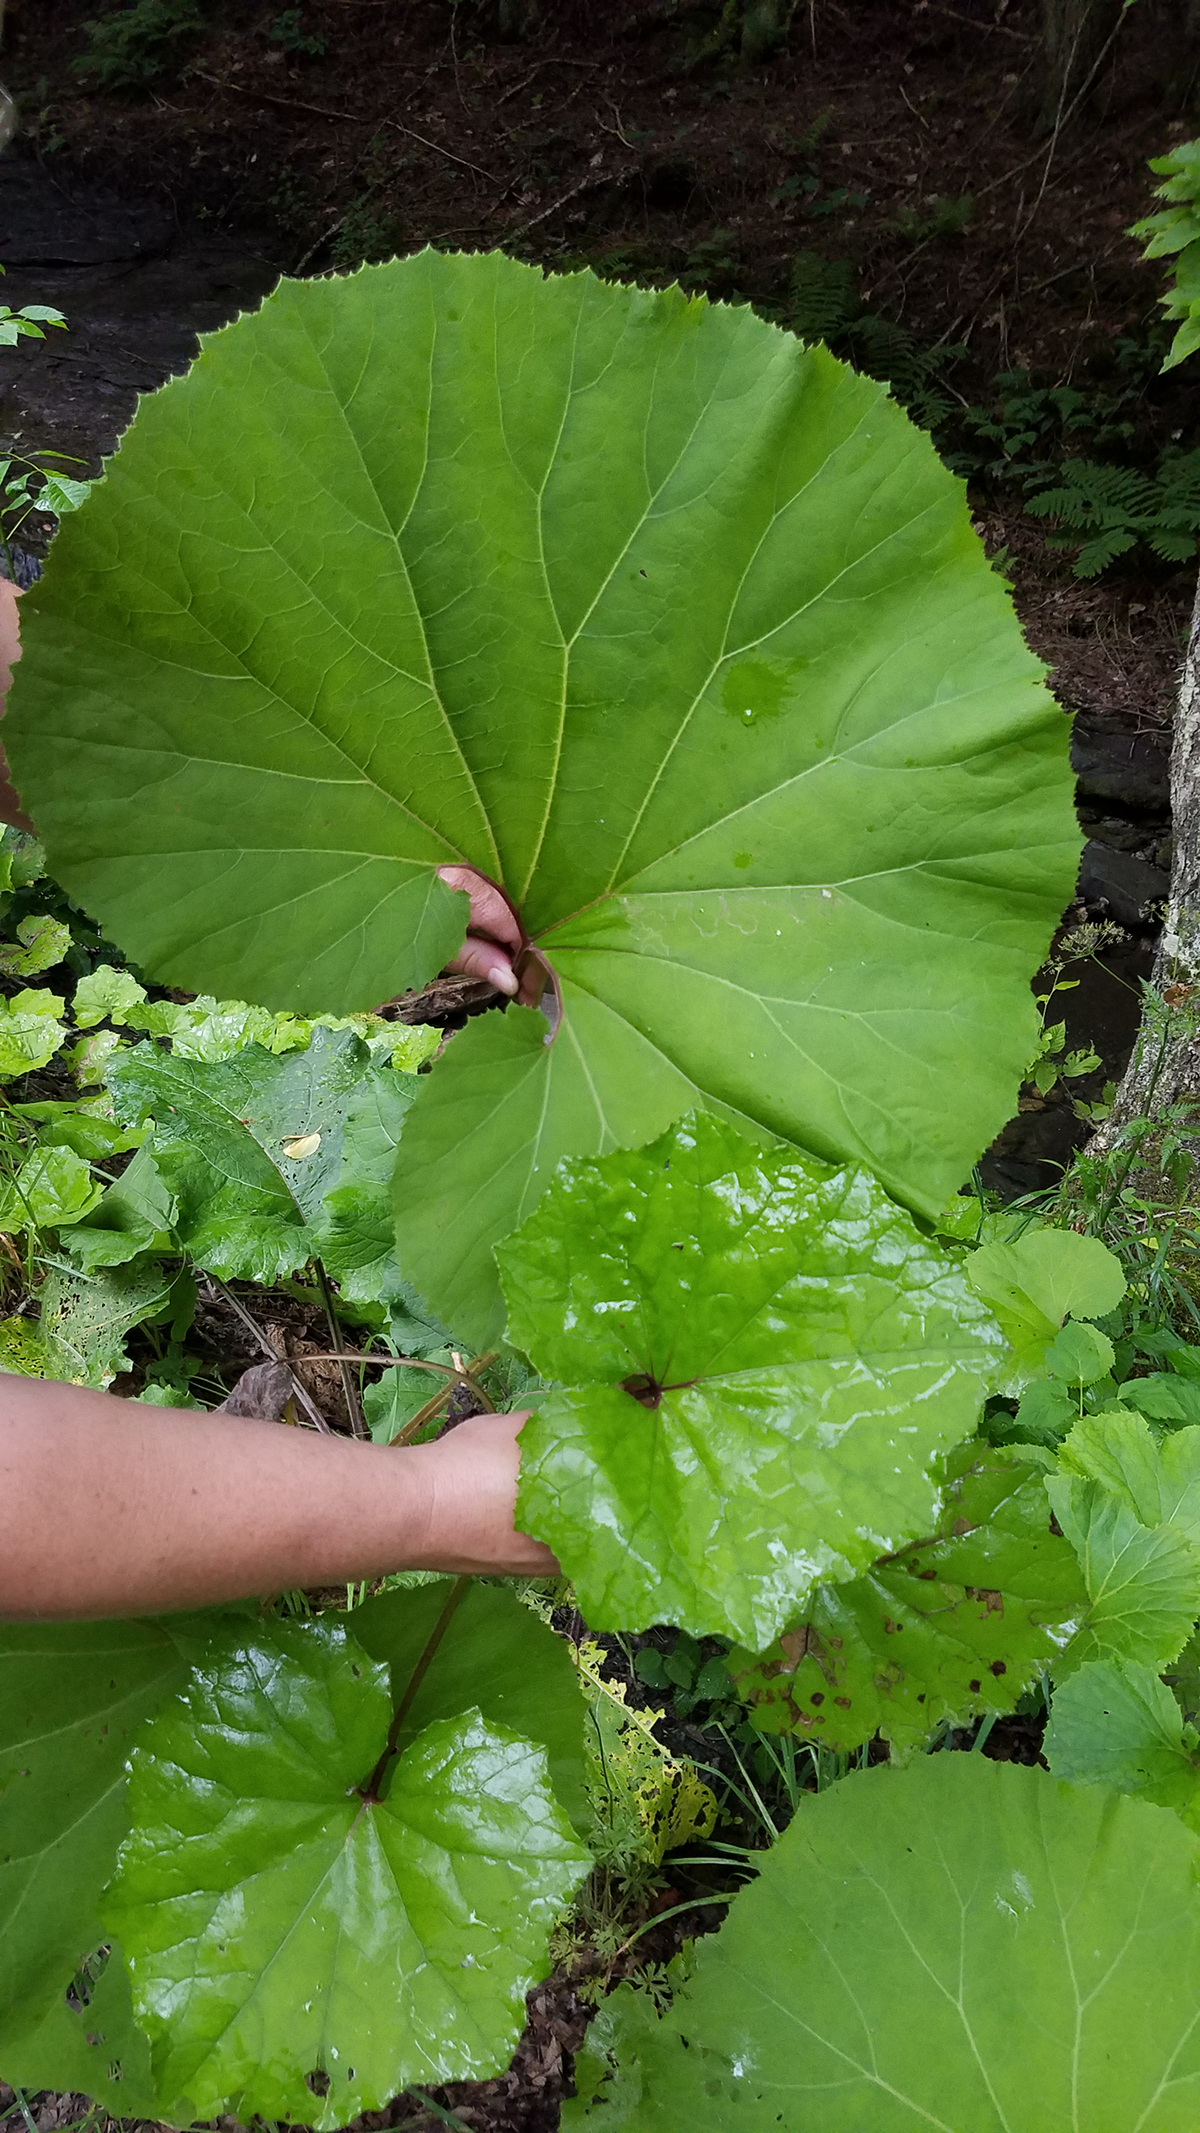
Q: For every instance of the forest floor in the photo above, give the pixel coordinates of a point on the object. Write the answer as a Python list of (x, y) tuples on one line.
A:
[(891, 140)]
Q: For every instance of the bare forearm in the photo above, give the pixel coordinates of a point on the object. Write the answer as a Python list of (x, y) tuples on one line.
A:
[(109, 1508)]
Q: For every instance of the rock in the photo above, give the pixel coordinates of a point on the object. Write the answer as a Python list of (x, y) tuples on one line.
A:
[(1112, 762), (1127, 887)]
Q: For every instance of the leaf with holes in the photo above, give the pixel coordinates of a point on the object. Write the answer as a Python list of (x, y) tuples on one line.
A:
[(762, 1358), (947, 1629), (908, 1927), (672, 626), (301, 1948)]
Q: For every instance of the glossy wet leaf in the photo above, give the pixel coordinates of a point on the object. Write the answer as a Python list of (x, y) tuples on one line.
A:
[(1143, 1582), (677, 628), (280, 1926), (72, 1696), (244, 1207), (1119, 1725), (805, 1355), (495, 1653), (907, 1930), (948, 1629)]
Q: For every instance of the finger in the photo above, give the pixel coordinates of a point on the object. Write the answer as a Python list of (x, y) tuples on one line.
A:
[(490, 911), (484, 959)]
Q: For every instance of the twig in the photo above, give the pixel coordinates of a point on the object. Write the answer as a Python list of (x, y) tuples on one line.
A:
[(590, 64), (370, 1791), (268, 1348), (285, 103), (349, 1388), (411, 1362), (593, 178), (1059, 123), (438, 150), (921, 121), (433, 1407)]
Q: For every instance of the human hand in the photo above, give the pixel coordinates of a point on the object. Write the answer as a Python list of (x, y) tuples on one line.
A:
[(470, 1481), (494, 943)]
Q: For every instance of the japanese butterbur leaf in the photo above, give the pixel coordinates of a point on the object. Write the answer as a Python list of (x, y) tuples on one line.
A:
[(1143, 1582), (495, 1653), (762, 1358), (909, 1928), (72, 1696), (949, 1628), (673, 626), (1121, 1726), (222, 1129), (278, 1925)]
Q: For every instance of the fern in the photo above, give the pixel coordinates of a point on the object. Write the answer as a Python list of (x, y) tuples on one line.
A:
[(1176, 229), (824, 304), (1114, 508)]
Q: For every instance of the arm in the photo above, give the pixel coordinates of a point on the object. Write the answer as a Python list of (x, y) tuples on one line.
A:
[(110, 1508)]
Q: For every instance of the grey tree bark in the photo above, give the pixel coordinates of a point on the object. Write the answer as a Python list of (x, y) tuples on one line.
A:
[(1165, 1066)]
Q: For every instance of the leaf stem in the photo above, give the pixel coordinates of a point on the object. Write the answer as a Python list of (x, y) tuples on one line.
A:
[(370, 1791), (349, 1388)]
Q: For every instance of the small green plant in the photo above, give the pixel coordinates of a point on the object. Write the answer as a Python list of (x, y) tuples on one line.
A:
[(936, 217), (1174, 232), (35, 483), (136, 42), (289, 33), (30, 322), (1105, 511)]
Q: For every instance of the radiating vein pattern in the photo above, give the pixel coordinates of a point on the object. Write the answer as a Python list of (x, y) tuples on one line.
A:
[(674, 626)]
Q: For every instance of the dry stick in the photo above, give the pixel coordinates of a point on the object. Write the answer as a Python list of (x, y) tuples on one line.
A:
[(447, 152), (370, 1791), (1059, 123), (594, 178), (268, 1348), (432, 1407), (409, 1362), (349, 1388)]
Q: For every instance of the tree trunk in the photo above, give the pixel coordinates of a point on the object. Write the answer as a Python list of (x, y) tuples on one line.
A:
[(1074, 34), (1165, 1067)]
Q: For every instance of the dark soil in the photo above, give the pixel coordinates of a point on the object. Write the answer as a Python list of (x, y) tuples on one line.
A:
[(632, 138)]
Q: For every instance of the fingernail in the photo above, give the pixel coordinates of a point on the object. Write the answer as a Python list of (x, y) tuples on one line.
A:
[(503, 978)]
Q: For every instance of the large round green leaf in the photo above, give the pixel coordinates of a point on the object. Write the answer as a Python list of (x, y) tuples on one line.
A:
[(676, 627), (762, 1359), (959, 1947)]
